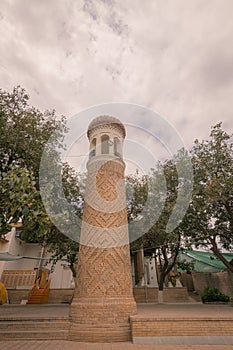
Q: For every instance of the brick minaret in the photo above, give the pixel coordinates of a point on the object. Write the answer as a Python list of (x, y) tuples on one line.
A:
[(103, 299)]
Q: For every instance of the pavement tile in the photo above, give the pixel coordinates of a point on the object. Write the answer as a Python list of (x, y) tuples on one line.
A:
[(66, 345)]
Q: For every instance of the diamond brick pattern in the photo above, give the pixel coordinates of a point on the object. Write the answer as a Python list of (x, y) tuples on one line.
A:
[(103, 296), (98, 275), (101, 219)]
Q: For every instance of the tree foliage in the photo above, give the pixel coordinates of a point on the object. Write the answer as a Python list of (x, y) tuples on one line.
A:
[(166, 245), (62, 248), (24, 131), (209, 219), (161, 186), (20, 200)]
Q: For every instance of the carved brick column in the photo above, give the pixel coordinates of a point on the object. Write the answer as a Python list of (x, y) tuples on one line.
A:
[(103, 299)]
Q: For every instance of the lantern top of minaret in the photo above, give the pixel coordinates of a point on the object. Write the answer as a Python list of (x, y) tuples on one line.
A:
[(105, 120)]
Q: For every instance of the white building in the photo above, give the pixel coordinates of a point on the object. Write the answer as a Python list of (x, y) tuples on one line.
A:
[(22, 272)]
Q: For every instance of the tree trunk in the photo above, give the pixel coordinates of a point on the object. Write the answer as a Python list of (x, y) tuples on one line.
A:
[(160, 296), (216, 251), (161, 282), (165, 270), (220, 256), (73, 270)]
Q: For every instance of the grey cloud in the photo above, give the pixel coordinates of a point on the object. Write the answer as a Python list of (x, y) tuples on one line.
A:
[(109, 2), (112, 18), (117, 25), (174, 56), (90, 8), (217, 69)]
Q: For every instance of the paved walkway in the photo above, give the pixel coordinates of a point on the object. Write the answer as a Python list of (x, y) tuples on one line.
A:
[(159, 310), (180, 310), (13, 311), (165, 310), (66, 345)]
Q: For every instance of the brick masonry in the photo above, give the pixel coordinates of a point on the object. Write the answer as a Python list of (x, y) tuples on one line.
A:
[(181, 327), (183, 323), (103, 298), (148, 294)]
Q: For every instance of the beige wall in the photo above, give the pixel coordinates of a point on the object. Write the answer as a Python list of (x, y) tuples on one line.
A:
[(222, 280), (150, 294)]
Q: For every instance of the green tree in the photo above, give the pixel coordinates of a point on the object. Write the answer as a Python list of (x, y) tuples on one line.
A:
[(20, 200), (24, 131), (136, 194), (165, 244), (155, 196), (63, 248), (59, 245), (209, 220)]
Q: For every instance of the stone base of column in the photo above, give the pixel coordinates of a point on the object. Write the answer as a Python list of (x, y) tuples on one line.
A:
[(106, 321), (103, 333)]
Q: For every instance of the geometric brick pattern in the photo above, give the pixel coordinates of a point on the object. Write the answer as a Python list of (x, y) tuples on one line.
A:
[(99, 276), (105, 188), (108, 178), (100, 219), (103, 298)]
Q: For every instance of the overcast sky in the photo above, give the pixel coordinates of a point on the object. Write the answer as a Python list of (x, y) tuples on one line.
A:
[(172, 56)]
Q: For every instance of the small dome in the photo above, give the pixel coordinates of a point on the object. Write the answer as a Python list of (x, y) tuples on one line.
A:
[(105, 120)]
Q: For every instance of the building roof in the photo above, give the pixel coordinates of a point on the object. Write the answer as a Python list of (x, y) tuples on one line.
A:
[(205, 261), (105, 120)]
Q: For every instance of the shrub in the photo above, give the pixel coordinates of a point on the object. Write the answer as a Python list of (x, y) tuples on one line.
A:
[(213, 294)]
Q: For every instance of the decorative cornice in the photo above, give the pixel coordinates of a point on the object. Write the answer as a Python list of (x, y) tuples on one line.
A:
[(108, 121)]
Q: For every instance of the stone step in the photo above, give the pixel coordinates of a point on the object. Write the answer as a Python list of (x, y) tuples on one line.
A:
[(34, 328), (35, 335), (18, 325)]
